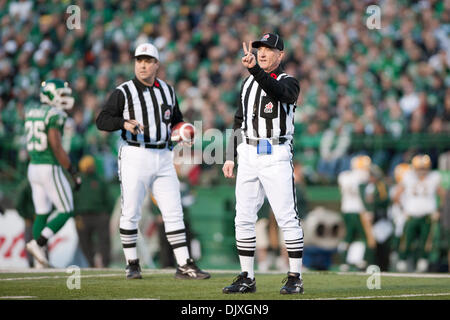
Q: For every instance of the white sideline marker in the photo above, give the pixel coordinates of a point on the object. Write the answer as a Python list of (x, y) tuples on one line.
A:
[(392, 296)]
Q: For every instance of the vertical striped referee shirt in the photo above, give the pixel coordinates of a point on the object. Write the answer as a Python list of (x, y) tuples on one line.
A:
[(266, 108), (155, 107)]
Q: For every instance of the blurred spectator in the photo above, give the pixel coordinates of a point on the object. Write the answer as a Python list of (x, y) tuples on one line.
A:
[(445, 116), (92, 214), (378, 78), (333, 147), (410, 100), (394, 120), (25, 208), (308, 149), (20, 9), (375, 197)]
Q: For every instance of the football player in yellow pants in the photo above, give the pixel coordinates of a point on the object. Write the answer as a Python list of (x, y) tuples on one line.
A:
[(420, 188), (356, 221)]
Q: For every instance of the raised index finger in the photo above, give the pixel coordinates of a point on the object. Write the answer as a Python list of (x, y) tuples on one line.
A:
[(250, 46), (244, 46)]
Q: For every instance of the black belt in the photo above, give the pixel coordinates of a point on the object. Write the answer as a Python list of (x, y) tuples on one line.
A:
[(148, 145), (274, 141)]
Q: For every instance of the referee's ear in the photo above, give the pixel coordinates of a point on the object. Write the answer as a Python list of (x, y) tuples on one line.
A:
[(281, 57)]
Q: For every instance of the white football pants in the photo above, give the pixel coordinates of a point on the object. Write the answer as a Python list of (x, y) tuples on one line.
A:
[(271, 175), (141, 170), (49, 186)]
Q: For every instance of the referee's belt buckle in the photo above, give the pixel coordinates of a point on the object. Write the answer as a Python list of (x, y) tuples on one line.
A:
[(148, 145), (264, 147)]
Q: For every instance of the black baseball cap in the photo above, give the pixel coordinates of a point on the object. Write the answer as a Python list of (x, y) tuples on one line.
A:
[(271, 40)]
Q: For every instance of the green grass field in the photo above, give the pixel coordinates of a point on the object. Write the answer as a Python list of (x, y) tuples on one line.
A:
[(111, 284)]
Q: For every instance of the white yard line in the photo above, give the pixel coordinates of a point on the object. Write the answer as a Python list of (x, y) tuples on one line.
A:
[(390, 296), (56, 270), (399, 275), (59, 270), (18, 297), (63, 277), (121, 272)]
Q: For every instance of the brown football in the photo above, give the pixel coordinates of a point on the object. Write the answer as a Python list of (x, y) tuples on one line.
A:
[(183, 131)]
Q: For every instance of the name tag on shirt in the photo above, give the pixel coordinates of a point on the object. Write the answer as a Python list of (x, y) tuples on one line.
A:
[(264, 147)]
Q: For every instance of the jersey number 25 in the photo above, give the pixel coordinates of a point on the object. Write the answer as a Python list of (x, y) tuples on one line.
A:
[(36, 137)]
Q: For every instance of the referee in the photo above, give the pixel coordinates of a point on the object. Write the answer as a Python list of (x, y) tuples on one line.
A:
[(263, 132), (145, 109)]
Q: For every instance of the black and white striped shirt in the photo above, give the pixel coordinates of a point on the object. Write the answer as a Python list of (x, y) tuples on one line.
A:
[(266, 109), (155, 107)]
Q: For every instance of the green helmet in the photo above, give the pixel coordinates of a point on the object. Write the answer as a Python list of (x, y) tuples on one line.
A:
[(57, 93)]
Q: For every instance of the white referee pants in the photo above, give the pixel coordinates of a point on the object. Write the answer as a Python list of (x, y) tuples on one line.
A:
[(141, 170), (270, 175), (49, 186)]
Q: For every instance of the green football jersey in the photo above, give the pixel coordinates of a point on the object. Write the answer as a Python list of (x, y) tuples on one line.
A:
[(38, 121)]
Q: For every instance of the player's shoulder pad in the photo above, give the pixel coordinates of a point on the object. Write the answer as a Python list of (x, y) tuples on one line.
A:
[(408, 176), (343, 174), (435, 175), (33, 109), (53, 112)]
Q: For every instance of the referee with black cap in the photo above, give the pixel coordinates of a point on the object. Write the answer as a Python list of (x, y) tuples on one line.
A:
[(263, 132), (145, 109)]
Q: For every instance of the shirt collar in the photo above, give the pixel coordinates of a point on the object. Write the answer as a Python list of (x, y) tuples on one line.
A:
[(142, 86), (275, 73)]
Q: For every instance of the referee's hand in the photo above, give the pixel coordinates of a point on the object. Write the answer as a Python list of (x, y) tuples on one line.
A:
[(228, 168), (249, 60), (133, 126)]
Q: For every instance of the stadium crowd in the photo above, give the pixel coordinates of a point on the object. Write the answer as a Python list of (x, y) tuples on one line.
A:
[(381, 92), (362, 91)]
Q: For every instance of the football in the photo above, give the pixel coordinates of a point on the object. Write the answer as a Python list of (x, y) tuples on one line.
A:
[(183, 131)]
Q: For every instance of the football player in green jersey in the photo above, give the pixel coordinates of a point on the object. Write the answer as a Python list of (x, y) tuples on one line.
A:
[(44, 128)]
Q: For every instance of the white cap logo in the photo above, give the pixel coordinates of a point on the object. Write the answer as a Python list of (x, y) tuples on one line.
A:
[(147, 49)]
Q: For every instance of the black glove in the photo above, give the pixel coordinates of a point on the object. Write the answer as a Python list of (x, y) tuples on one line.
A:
[(75, 177)]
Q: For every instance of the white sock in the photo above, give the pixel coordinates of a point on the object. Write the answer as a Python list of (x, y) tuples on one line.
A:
[(130, 254), (295, 265), (181, 255), (247, 265)]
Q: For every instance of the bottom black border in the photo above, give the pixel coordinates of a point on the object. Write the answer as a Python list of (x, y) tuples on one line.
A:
[(229, 309)]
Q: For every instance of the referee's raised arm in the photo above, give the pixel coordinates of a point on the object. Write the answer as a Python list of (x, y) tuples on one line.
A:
[(285, 90)]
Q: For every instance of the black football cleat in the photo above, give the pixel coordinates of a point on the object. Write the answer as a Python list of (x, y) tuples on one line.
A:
[(292, 284), (191, 271), (133, 269), (241, 284)]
